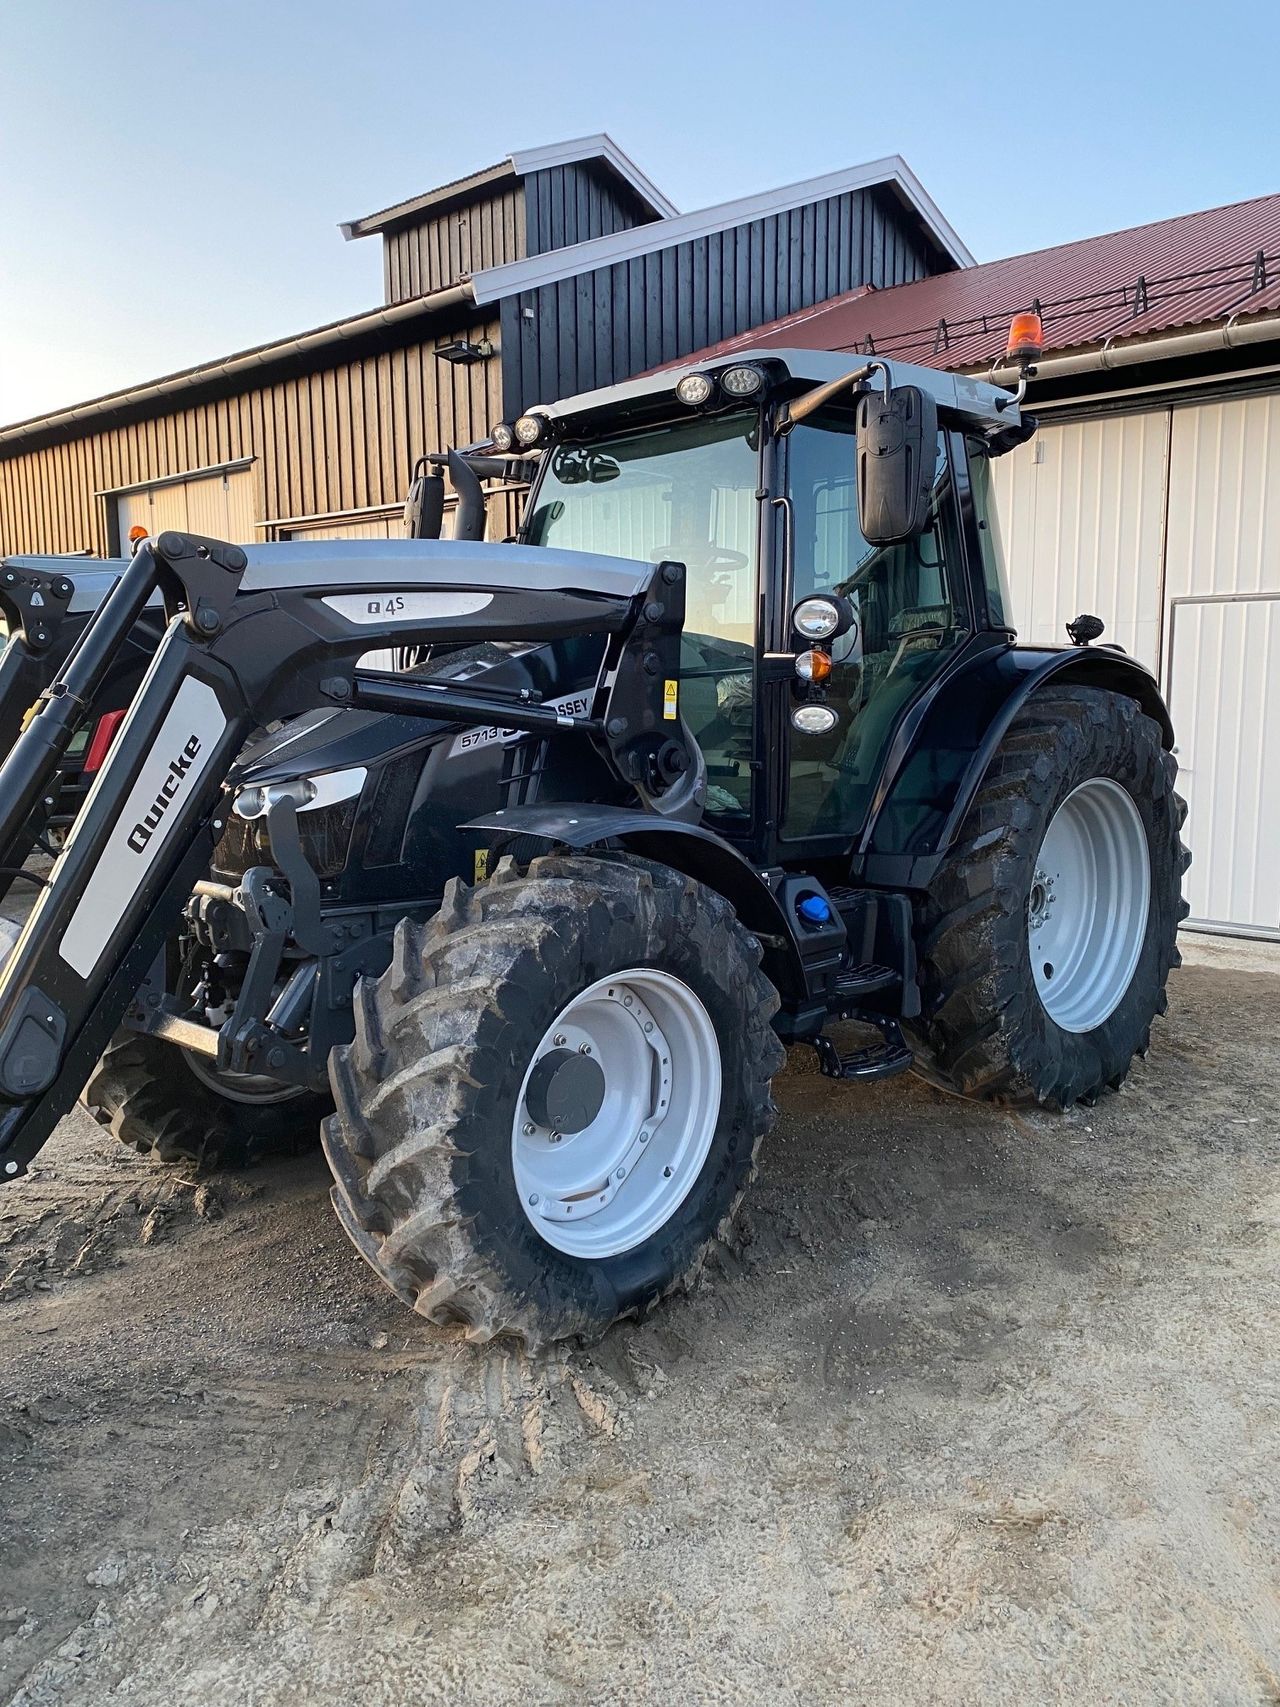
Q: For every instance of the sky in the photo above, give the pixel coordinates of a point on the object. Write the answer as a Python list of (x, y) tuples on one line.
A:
[(172, 176)]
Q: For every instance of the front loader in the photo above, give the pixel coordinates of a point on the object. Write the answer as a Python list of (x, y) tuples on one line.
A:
[(734, 744)]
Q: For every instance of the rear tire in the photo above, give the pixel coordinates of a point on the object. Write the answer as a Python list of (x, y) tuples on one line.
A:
[(151, 1097), (986, 1029), (434, 1094)]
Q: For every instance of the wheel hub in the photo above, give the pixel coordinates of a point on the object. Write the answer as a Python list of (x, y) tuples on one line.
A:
[(616, 1113), (565, 1090)]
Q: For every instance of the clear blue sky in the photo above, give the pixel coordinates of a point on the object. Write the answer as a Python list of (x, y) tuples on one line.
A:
[(172, 175)]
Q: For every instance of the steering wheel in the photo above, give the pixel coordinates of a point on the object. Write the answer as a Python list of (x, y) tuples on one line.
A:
[(713, 557)]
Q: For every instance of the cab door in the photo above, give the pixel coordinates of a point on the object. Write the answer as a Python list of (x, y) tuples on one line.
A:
[(911, 617)]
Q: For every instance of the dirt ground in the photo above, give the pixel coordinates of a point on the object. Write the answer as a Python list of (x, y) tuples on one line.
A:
[(982, 1409)]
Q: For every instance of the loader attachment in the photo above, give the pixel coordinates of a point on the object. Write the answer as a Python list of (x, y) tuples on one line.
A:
[(254, 636)]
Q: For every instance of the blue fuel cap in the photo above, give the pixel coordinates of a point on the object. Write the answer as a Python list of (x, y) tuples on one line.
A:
[(813, 910)]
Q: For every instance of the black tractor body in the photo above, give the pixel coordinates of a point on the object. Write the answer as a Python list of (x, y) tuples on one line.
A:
[(735, 743)]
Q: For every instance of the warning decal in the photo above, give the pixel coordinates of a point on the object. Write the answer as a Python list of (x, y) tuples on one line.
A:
[(670, 700)]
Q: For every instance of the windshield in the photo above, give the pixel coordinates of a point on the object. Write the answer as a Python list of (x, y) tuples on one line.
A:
[(685, 492), (688, 492)]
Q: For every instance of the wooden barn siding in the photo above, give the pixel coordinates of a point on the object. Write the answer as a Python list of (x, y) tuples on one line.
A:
[(435, 253), (602, 327), (572, 204), (340, 438)]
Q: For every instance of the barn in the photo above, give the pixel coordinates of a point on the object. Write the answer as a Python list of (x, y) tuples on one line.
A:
[(557, 269)]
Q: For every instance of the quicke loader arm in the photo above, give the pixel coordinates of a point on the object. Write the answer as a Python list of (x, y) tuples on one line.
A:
[(248, 643)]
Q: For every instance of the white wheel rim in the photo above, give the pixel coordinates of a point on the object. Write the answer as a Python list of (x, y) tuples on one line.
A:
[(1087, 910), (606, 1189)]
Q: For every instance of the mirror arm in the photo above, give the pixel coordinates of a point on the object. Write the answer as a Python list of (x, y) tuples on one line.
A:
[(800, 410)]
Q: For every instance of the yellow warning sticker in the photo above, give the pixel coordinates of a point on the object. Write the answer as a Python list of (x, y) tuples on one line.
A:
[(482, 865), (670, 700)]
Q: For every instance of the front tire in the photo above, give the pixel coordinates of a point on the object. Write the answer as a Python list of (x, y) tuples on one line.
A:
[(1051, 928), (154, 1098), (466, 1059)]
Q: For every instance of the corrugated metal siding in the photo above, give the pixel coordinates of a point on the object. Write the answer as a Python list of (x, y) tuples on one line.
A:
[(603, 326), (1224, 498), (1082, 516), (572, 204), (1225, 701), (438, 251), (341, 438)]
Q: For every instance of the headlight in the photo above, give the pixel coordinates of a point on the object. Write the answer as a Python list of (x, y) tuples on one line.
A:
[(310, 793), (695, 388), (816, 619)]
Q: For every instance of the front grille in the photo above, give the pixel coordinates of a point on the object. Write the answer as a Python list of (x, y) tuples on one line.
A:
[(325, 835)]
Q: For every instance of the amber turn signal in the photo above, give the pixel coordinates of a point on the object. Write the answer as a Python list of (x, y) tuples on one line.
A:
[(1026, 337), (813, 666)]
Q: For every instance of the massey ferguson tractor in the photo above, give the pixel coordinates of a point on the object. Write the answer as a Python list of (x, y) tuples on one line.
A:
[(734, 744)]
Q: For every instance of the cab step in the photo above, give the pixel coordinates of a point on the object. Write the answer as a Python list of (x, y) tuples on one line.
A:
[(878, 1061), (865, 980)]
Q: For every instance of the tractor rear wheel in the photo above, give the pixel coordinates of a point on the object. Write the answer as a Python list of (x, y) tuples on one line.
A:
[(555, 1095), (165, 1103), (1051, 928)]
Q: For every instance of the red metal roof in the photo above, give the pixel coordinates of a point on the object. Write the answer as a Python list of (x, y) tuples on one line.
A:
[(1151, 278)]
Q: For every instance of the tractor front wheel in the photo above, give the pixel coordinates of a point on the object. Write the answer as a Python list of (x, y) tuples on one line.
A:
[(554, 1098), (1051, 928)]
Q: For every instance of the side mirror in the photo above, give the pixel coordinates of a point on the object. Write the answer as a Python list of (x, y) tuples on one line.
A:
[(897, 449), (424, 507)]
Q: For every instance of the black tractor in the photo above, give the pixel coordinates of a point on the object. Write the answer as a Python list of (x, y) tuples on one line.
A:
[(734, 744)]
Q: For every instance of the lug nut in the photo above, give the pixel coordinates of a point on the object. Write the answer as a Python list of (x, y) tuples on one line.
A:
[(555, 1137), (644, 1137), (621, 1174), (648, 1025), (533, 1201), (558, 1040), (584, 1049)]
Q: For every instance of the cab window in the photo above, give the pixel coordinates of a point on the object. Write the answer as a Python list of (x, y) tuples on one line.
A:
[(908, 623)]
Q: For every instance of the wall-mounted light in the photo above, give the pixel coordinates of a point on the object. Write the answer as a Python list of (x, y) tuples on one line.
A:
[(463, 352)]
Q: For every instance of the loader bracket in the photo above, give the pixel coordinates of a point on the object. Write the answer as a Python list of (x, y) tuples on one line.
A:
[(36, 602)]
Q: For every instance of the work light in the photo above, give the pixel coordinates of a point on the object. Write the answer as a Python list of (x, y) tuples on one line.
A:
[(741, 381), (531, 430), (695, 388)]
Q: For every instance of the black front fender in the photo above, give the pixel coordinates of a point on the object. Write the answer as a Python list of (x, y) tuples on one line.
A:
[(916, 818), (690, 848)]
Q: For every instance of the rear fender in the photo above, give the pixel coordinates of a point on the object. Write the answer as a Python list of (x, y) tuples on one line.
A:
[(689, 848), (916, 819)]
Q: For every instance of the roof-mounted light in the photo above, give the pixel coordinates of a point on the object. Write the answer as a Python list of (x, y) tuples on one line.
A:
[(695, 388), (503, 436), (1026, 337), (531, 431), (742, 381)]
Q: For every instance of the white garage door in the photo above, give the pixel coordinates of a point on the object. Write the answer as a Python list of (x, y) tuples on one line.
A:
[(1225, 703), (218, 504), (390, 526), (1082, 515)]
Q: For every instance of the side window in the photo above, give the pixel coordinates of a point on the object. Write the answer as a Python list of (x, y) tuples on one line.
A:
[(993, 564), (908, 622)]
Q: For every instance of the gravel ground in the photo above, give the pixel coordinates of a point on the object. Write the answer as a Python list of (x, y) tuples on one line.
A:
[(982, 1408)]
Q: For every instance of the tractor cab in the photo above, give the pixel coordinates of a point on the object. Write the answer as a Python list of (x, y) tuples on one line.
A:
[(809, 633)]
